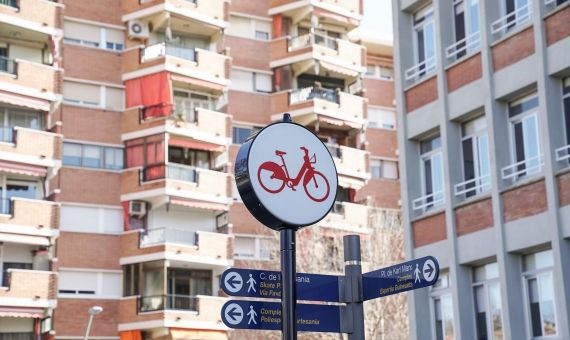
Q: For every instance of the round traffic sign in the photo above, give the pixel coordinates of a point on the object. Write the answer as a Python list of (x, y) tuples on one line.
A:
[(233, 313), (286, 176), (233, 282)]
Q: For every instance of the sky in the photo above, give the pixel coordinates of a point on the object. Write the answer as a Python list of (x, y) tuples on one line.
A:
[(377, 20)]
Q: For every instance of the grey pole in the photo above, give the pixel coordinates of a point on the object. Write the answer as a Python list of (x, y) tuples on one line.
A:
[(353, 286), (86, 337), (289, 284)]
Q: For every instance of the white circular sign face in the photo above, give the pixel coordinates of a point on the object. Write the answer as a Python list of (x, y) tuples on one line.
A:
[(292, 174), (233, 314)]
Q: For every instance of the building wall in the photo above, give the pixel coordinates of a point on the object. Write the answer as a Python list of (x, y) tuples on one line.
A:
[(510, 218)]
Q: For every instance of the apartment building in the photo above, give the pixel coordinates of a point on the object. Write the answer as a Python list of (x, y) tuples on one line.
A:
[(121, 120), (482, 91)]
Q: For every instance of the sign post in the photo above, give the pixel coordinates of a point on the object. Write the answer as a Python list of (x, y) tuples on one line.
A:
[(287, 179)]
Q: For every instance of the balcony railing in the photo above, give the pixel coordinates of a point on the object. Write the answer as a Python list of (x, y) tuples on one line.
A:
[(338, 208), (428, 201), (553, 4), (525, 167), (7, 134), (174, 171), (473, 186), (7, 65), (159, 236), (563, 153), (163, 49), (310, 39), (460, 48), (309, 93), (168, 302), (513, 19), (421, 69), (334, 150)]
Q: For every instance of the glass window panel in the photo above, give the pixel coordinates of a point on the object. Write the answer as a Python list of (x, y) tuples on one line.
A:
[(481, 313), (447, 306), (437, 166), (242, 80), (484, 164), (114, 98), (492, 270), (495, 310), (113, 158), (21, 189), (390, 169), (91, 156), (370, 70), (263, 82), (72, 154), (81, 93), (544, 259), (376, 168), (479, 274), (438, 320), (547, 304), (374, 117), (115, 36), (534, 307), (81, 31), (244, 247), (386, 73), (531, 148), (239, 26)]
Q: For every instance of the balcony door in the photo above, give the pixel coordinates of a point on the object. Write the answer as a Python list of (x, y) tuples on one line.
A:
[(185, 284)]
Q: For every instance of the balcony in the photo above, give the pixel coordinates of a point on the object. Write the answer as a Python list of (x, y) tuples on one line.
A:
[(210, 14), (421, 70), (27, 78), (427, 202), (30, 221), (186, 120), (339, 57), (32, 16), (352, 165), (176, 244), (523, 169), (328, 108), (32, 147), (347, 216), (204, 69), (473, 186), (181, 184), (512, 20), (347, 13), (20, 293), (464, 46), (199, 312)]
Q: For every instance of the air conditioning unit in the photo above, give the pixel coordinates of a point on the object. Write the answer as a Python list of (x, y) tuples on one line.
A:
[(138, 29), (137, 208)]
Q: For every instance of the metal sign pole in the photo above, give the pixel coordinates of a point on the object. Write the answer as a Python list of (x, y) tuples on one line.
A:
[(289, 284), (353, 275)]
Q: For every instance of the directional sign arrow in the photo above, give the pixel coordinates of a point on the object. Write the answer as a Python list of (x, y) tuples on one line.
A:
[(267, 284), (400, 278), (267, 316)]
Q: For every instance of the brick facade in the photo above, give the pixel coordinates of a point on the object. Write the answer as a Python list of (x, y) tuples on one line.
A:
[(474, 217), (464, 73), (524, 201), (421, 94), (513, 49), (558, 26), (429, 230)]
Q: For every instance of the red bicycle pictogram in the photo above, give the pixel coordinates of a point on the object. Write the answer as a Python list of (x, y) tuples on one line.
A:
[(272, 177)]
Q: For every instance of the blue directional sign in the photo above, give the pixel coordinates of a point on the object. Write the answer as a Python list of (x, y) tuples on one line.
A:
[(267, 316), (399, 278), (267, 284)]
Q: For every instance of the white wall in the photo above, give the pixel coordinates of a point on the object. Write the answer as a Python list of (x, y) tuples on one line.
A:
[(16, 253), (181, 218), (26, 53)]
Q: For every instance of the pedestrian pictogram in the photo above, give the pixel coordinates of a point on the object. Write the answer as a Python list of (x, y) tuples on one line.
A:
[(273, 177), (251, 284), (252, 314), (233, 282), (417, 274)]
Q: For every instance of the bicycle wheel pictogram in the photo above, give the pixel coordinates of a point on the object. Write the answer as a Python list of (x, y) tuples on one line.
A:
[(316, 186), (271, 177)]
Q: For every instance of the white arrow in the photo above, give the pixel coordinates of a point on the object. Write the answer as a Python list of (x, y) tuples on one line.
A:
[(233, 282)]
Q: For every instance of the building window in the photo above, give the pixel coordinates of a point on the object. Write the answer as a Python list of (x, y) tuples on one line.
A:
[(93, 36), (424, 43), (466, 22), (382, 168), (10, 118), (241, 133), (475, 152), (252, 248), (537, 274), (381, 118), (250, 28), (251, 81), (379, 72), (91, 219), (99, 284), (487, 295), (524, 136), (517, 12), (92, 156), (566, 104), (431, 168), (99, 96), (443, 308)]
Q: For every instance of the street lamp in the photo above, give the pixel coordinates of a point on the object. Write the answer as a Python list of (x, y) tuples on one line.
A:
[(92, 312)]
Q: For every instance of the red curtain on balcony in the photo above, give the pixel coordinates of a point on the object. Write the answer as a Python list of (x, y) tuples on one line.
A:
[(154, 92)]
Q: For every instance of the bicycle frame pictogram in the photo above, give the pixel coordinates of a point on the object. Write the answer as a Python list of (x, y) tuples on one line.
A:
[(307, 173)]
